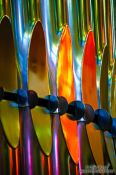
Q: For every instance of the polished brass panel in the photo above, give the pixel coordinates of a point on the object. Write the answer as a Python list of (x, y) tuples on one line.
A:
[(65, 85), (9, 113), (39, 82), (89, 95)]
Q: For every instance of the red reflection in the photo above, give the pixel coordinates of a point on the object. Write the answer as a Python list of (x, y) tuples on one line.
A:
[(89, 95)]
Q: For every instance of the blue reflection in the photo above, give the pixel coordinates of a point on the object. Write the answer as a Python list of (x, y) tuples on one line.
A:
[(22, 35)]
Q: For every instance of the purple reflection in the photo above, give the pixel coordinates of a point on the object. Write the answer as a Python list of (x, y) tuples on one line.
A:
[(29, 153), (55, 157)]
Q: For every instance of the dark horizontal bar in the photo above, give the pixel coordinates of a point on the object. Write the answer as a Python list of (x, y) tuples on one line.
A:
[(11, 96)]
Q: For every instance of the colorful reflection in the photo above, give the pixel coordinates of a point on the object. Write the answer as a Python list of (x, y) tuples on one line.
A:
[(47, 46), (65, 83)]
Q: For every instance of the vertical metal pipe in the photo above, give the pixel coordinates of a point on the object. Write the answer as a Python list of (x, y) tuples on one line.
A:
[(59, 7), (23, 20), (110, 142), (98, 27), (5, 8), (52, 39), (113, 17), (84, 19), (24, 17), (52, 20)]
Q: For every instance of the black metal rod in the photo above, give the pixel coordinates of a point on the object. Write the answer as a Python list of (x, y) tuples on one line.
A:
[(44, 102), (11, 96), (50, 102), (76, 109)]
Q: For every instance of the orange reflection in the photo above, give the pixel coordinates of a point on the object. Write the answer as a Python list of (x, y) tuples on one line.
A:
[(65, 82), (77, 172), (89, 95), (49, 166), (17, 161), (14, 161), (11, 160)]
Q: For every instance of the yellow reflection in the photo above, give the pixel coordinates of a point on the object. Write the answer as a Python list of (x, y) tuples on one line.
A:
[(8, 79), (65, 84), (113, 93), (38, 81)]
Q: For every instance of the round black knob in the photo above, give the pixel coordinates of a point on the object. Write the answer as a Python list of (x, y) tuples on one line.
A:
[(76, 110), (32, 99), (113, 128), (103, 119), (89, 114), (50, 102)]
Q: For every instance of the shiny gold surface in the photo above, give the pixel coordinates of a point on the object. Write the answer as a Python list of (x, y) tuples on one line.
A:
[(113, 92), (54, 14), (109, 90), (4, 8), (104, 80), (111, 142), (65, 85), (89, 96), (38, 81), (111, 150), (60, 14), (109, 33), (98, 26), (84, 18), (8, 79)]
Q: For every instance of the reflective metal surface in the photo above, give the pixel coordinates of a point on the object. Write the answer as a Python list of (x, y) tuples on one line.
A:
[(53, 50), (65, 83), (9, 114), (110, 64), (38, 81), (89, 94)]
